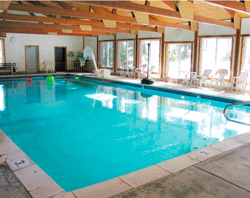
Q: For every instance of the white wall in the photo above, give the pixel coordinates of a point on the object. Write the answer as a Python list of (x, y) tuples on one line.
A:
[(15, 51), (177, 35), (245, 26), (214, 30), (105, 38), (141, 35), (125, 36), (147, 34)]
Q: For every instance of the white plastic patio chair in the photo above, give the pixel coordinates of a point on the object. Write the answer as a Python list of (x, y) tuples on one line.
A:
[(190, 79), (221, 75), (49, 66), (151, 69), (240, 82), (139, 72), (203, 78)]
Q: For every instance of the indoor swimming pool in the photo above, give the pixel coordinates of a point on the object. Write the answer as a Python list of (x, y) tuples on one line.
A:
[(85, 132)]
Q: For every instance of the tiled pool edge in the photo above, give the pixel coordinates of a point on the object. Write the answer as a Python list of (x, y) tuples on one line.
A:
[(162, 89), (40, 185), (132, 84)]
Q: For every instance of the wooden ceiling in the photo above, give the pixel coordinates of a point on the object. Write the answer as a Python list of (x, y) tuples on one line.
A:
[(91, 18)]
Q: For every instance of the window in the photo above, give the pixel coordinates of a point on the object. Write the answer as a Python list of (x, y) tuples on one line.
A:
[(216, 54), (126, 54), (2, 51), (107, 54), (154, 59), (246, 55), (179, 60)]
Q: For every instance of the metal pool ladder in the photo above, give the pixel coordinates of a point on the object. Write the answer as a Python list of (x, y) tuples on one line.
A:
[(235, 104)]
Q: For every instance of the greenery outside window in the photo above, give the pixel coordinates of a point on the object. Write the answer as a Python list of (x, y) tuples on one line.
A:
[(107, 54), (126, 54)]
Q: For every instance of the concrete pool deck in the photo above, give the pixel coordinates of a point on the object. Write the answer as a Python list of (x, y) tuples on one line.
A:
[(223, 176), (134, 184), (10, 186)]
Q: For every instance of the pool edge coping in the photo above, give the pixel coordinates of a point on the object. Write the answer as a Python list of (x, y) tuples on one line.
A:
[(90, 76), (153, 87), (45, 185)]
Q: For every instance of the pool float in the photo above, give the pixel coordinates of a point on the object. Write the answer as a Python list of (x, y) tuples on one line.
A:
[(50, 79), (77, 79), (29, 79)]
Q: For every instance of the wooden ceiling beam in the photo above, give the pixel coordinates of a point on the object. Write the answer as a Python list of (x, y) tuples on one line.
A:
[(74, 22), (90, 15), (229, 12), (100, 10), (29, 31), (63, 4), (170, 5), (156, 11), (231, 5), (38, 3), (32, 14), (59, 27), (9, 29)]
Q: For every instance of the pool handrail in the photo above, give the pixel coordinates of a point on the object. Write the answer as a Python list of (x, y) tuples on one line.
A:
[(235, 104)]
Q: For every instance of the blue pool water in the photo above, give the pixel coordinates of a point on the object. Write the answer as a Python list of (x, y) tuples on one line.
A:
[(82, 133)]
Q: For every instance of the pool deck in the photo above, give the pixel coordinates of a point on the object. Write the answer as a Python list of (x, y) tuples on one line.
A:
[(227, 93), (219, 170), (223, 176)]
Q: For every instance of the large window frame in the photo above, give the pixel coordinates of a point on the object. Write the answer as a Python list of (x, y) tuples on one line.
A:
[(100, 65), (140, 53), (167, 61), (3, 50), (118, 66), (200, 54), (243, 54)]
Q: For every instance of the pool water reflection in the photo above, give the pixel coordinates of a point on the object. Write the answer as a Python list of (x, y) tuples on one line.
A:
[(82, 133)]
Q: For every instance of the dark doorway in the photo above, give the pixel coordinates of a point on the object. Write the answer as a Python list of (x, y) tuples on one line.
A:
[(60, 59)]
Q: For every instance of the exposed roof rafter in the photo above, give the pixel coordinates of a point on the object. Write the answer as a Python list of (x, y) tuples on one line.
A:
[(231, 5), (156, 11), (89, 15), (94, 23)]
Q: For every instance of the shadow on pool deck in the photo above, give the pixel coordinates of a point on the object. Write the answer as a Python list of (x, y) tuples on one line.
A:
[(10, 186), (224, 176)]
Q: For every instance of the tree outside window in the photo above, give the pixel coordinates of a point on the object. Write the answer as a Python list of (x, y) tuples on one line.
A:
[(107, 54), (126, 54)]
